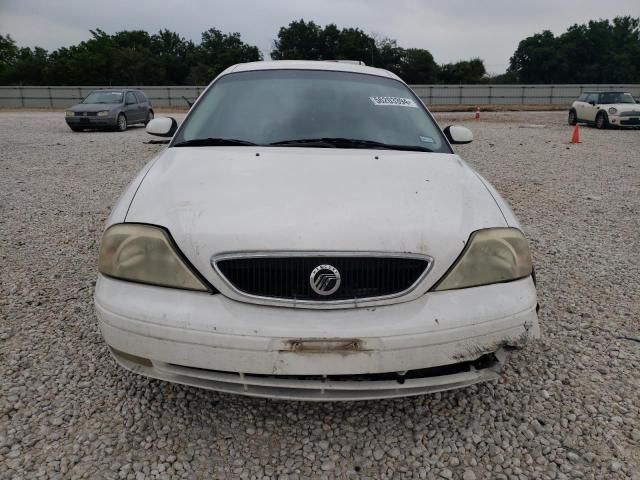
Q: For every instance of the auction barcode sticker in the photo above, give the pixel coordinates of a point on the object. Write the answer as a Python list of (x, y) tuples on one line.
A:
[(394, 101)]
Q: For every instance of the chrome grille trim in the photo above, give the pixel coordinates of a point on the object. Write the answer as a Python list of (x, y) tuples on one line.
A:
[(351, 303)]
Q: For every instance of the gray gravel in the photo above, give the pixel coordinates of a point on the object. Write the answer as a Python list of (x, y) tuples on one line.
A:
[(567, 407)]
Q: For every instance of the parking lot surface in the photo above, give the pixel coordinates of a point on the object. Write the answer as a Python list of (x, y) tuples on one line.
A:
[(566, 407)]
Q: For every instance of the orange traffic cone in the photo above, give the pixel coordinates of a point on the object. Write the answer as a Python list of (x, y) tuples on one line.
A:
[(575, 137), (477, 113)]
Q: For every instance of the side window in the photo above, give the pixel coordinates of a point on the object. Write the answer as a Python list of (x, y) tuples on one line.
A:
[(583, 97), (141, 98), (131, 98), (593, 97)]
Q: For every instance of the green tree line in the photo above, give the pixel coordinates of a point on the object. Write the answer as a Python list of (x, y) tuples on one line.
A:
[(601, 51)]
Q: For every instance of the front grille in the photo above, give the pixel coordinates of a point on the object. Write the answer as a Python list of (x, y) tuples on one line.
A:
[(631, 113), (86, 114), (631, 121), (289, 277)]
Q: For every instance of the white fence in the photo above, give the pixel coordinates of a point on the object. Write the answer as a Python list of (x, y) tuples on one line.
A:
[(62, 97)]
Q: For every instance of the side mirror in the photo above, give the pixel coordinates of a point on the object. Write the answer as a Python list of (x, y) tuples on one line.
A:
[(162, 126), (592, 103), (458, 135)]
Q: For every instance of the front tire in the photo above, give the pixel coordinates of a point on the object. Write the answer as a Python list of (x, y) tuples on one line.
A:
[(573, 118), (149, 117), (121, 123), (602, 121)]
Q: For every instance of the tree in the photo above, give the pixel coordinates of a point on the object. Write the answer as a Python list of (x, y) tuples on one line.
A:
[(465, 71), (217, 51), (354, 44), (389, 55), (175, 56), (302, 40), (537, 60), (600, 51), (8, 55), (8, 51), (418, 66)]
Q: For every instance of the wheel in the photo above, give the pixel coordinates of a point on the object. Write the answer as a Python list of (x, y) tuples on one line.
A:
[(76, 129), (149, 117), (121, 125), (573, 118), (602, 121)]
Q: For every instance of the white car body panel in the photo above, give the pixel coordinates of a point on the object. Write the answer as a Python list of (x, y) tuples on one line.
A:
[(119, 211), (219, 200), (615, 118), (310, 65), (306, 199), (213, 332)]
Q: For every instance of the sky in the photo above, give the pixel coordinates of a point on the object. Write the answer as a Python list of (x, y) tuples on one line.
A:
[(451, 30)]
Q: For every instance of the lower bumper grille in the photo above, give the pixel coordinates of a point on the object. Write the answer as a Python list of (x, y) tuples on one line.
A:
[(313, 277), (330, 387)]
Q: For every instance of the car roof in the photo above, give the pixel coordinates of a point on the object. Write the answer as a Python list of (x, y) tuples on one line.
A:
[(604, 91), (309, 65)]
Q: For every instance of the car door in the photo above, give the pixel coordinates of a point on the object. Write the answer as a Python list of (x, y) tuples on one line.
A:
[(580, 106), (143, 105), (591, 107), (131, 108)]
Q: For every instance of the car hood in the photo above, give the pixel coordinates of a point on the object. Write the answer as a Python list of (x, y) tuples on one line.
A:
[(623, 107), (217, 200), (93, 107)]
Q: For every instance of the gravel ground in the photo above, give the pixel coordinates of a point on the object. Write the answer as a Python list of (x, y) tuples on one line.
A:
[(567, 407)]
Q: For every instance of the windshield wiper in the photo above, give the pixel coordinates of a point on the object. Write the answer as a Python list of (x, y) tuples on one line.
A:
[(339, 142), (213, 142)]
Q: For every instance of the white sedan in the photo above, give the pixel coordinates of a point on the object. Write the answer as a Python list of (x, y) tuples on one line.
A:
[(310, 234)]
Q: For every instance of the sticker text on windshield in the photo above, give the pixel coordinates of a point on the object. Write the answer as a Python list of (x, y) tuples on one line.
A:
[(393, 101)]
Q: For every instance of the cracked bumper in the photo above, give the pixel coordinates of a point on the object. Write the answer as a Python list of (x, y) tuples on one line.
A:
[(213, 342)]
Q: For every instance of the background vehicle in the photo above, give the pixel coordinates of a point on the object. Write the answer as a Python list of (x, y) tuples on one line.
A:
[(110, 109), (604, 109)]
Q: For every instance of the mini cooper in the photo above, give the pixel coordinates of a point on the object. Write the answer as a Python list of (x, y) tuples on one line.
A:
[(605, 109), (310, 234)]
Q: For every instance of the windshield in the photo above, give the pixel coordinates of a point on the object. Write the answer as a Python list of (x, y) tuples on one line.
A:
[(103, 97), (608, 98), (274, 106)]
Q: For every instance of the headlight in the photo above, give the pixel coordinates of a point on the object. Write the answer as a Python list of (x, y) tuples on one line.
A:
[(613, 111), (492, 255), (145, 254), (104, 113), (69, 113)]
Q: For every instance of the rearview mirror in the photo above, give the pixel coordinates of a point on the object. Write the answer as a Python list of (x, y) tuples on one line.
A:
[(162, 126), (458, 135)]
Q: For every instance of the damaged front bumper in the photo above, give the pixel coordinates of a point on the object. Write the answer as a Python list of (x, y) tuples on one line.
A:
[(441, 341)]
